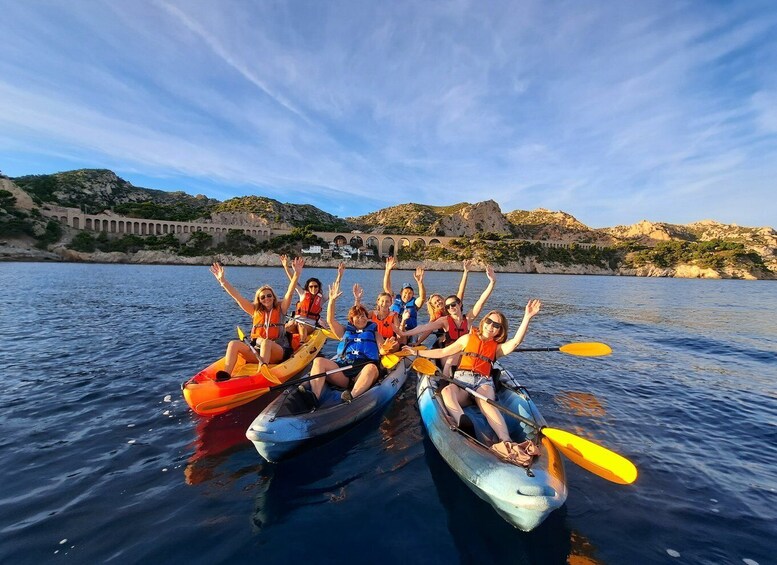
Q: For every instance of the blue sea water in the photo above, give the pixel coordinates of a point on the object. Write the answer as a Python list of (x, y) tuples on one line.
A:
[(102, 461)]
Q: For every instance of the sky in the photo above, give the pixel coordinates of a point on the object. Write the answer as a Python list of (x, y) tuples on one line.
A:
[(613, 112)]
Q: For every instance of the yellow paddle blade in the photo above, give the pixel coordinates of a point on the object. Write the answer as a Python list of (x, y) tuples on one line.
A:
[(592, 457), (329, 334), (240, 335), (389, 361), (267, 374), (217, 404), (586, 349), (424, 366)]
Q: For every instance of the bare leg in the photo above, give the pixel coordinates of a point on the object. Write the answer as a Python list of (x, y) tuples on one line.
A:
[(494, 416), (269, 351), (322, 365), (454, 398), (365, 380), (237, 348)]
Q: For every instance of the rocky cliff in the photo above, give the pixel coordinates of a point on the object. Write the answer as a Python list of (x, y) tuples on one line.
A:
[(98, 190)]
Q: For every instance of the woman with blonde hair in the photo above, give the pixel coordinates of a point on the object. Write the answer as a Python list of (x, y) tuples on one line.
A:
[(269, 342)]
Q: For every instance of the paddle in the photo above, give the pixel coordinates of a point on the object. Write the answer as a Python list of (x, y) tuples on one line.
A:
[(329, 334), (581, 349), (590, 456), (248, 396), (263, 369), (391, 359)]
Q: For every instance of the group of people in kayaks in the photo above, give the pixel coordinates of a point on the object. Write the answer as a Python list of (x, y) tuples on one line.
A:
[(465, 350)]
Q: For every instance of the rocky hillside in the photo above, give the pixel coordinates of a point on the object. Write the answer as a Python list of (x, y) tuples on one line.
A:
[(245, 210), (462, 219), (100, 189)]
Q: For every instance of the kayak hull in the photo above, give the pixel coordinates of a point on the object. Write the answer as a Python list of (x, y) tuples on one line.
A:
[(523, 499), (287, 425), (202, 389)]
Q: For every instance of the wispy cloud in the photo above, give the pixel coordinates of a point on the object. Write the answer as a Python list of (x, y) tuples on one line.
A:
[(613, 113)]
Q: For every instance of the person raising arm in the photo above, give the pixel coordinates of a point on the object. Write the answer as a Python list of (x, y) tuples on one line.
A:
[(269, 343), (480, 349)]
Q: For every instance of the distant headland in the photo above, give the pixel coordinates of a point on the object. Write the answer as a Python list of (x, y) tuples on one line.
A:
[(93, 215)]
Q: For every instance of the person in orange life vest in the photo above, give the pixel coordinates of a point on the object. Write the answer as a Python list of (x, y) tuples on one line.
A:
[(405, 304), (386, 320), (367, 347), (311, 302), (480, 348), (456, 323), (267, 313)]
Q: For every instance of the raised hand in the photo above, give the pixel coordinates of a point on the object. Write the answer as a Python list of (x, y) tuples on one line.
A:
[(419, 275), (467, 265), (340, 270), (218, 271), (391, 263), (490, 273), (297, 264), (533, 308), (284, 261), (334, 291), (358, 293)]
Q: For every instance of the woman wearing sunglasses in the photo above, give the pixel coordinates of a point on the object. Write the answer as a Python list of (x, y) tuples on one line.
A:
[(479, 349), (455, 323), (437, 308), (268, 334), (310, 304)]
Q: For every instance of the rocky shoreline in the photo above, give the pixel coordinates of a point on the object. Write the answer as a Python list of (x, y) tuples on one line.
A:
[(12, 252)]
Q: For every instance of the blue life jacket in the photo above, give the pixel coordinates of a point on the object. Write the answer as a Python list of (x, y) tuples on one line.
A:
[(399, 307), (359, 345)]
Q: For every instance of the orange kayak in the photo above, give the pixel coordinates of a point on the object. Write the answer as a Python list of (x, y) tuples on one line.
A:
[(209, 397)]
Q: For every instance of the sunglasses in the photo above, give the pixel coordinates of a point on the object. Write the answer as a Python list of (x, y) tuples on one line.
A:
[(450, 305), (496, 325), (263, 296), (312, 286)]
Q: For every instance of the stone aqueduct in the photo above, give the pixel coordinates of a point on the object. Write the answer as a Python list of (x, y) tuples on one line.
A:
[(116, 225)]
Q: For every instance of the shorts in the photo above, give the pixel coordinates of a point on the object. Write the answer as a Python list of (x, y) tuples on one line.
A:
[(353, 372), (472, 379)]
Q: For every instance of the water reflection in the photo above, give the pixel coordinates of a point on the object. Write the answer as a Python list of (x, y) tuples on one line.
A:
[(219, 437), (480, 534), (310, 478), (580, 403)]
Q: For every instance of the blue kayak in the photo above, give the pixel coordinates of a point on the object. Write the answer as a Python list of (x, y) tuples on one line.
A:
[(522, 496), (287, 424)]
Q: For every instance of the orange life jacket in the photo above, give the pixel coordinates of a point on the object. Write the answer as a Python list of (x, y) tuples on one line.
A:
[(386, 325), (267, 326), (478, 355), (310, 306)]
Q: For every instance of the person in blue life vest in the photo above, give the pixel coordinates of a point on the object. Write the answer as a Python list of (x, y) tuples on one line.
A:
[(456, 323), (361, 345), (268, 335), (406, 304), (307, 315)]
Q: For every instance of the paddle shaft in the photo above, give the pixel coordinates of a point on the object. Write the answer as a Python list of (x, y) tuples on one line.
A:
[(524, 349), (504, 409)]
